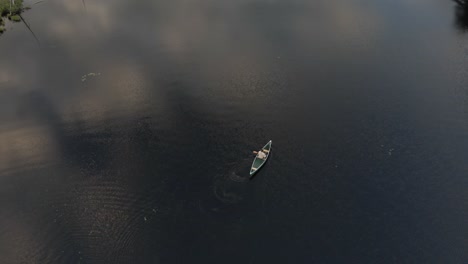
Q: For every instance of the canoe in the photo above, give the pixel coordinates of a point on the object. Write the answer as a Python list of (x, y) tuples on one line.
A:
[(258, 162)]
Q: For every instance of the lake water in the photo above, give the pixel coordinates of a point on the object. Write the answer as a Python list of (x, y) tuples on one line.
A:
[(127, 130)]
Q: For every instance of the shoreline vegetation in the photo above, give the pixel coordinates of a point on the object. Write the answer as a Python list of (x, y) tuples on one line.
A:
[(10, 9)]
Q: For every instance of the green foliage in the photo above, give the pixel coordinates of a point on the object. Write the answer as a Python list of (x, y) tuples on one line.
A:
[(15, 8), (10, 10), (15, 18)]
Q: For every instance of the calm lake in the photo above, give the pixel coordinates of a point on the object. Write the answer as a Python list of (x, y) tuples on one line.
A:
[(127, 130)]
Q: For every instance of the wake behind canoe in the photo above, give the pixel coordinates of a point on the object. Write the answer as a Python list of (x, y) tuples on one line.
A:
[(261, 158)]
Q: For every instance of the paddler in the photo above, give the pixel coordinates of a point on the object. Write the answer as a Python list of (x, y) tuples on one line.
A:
[(260, 154)]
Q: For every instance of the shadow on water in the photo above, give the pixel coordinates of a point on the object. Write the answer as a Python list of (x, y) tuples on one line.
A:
[(461, 15), (84, 5), (30, 30)]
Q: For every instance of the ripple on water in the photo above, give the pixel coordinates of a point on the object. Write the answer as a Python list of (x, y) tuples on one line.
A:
[(229, 188), (109, 217)]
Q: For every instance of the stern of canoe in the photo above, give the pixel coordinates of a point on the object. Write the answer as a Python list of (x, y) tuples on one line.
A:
[(256, 164)]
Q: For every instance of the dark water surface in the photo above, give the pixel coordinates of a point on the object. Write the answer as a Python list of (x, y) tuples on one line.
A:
[(126, 132)]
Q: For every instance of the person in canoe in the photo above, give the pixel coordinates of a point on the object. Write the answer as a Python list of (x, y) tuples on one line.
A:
[(260, 154)]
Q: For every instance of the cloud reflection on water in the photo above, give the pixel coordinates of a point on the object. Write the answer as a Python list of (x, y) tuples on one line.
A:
[(167, 69)]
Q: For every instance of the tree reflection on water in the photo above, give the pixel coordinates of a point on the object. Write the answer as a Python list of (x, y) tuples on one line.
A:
[(461, 15)]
